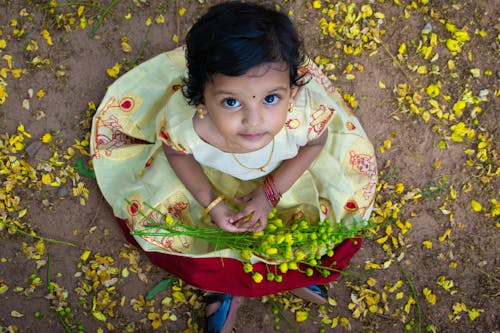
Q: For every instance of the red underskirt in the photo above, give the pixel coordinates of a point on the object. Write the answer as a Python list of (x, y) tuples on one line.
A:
[(226, 275)]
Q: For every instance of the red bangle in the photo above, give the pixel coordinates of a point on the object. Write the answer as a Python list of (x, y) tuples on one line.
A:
[(270, 190)]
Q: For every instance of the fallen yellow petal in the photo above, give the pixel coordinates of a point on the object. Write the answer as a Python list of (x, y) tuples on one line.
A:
[(476, 206), (301, 316)]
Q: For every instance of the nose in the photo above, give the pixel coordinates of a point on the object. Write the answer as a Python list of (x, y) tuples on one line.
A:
[(253, 116)]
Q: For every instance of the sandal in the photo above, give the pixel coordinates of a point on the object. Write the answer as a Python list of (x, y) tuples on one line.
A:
[(222, 320), (316, 293)]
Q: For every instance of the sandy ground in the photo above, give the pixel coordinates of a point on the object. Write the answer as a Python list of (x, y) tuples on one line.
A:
[(437, 269)]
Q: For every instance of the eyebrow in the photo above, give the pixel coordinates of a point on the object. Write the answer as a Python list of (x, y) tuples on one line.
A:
[(225, 92)]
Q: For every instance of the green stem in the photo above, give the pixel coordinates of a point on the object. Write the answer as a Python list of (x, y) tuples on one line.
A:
[(414, 294), (101, 17), (143, 45), (50, 240), (63, 323), (282, 315), (48, 271)]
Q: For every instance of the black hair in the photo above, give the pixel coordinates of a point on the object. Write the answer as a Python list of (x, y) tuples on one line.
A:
[(233, 37)]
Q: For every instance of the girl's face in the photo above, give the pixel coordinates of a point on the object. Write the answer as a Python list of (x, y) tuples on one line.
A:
[(247, 111)]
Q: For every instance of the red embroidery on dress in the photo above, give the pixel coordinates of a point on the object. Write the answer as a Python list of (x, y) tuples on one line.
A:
[(168, 141), (134, 208), (295, 216), (110, 136), (154, 217), (164, 135), (292, 123), (351, 205), (366, 165), (323, 208), (320, 119), (166, 242), (149, 162), (176, 209), (350, 126), (108, 132), (127, 104)]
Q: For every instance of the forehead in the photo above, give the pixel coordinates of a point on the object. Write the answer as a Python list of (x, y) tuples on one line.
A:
[(263, 77)]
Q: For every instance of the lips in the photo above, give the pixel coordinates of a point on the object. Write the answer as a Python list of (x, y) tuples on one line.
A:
[(252, 136)]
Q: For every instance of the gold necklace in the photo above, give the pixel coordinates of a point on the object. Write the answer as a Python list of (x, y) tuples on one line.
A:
[(261, 168)]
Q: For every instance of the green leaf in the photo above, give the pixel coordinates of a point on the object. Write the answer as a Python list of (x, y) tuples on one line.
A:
[(162, 285), (83, 170)]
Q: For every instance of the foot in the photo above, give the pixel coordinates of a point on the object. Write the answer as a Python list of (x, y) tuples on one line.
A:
[(316, 294), (221, 312)]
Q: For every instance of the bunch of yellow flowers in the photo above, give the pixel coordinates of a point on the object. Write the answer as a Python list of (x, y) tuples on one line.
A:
[(289, 245)]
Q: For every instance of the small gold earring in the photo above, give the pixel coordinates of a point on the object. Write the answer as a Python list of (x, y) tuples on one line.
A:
[(290, 109), (201, 112)]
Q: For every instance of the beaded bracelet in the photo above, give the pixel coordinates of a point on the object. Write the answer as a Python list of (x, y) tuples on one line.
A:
[(271, 191), (214, 203)]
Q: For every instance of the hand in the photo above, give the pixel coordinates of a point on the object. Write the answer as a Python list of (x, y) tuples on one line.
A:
[(222, 216), (253, 216)]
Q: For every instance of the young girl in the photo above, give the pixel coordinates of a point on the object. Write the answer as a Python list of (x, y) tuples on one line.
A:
[(237, 117)]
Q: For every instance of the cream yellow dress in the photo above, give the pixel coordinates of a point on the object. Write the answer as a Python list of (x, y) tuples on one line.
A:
[(145, 108)]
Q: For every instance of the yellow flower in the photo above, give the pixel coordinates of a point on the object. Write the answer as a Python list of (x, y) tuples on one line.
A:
[(399, 188), (429, 296), (3, 94), (301, 316), (283, 267), (46, 36), (247, 267), (300, 255), (432, 90), (495, 207), (114, 71), (427, 244), (155, 319), (246, 254), (453, 45), (476, 206), (125, 45), (462, 36), (46, 138), (169, 220), (257, 277), (474, 313)]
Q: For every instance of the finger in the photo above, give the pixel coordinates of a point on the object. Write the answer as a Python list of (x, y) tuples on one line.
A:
[(231, 227), (259, 225), (244, 198), (253, 223), (242, 216)]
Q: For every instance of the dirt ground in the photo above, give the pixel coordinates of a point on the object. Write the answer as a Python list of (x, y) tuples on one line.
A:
[(422, 76)]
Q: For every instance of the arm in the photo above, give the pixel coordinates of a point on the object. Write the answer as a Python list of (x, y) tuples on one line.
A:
[(284, 177), (194, 179)]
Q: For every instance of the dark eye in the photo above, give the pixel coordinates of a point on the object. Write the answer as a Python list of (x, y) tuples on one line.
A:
[(271, 99), (231, 103)]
